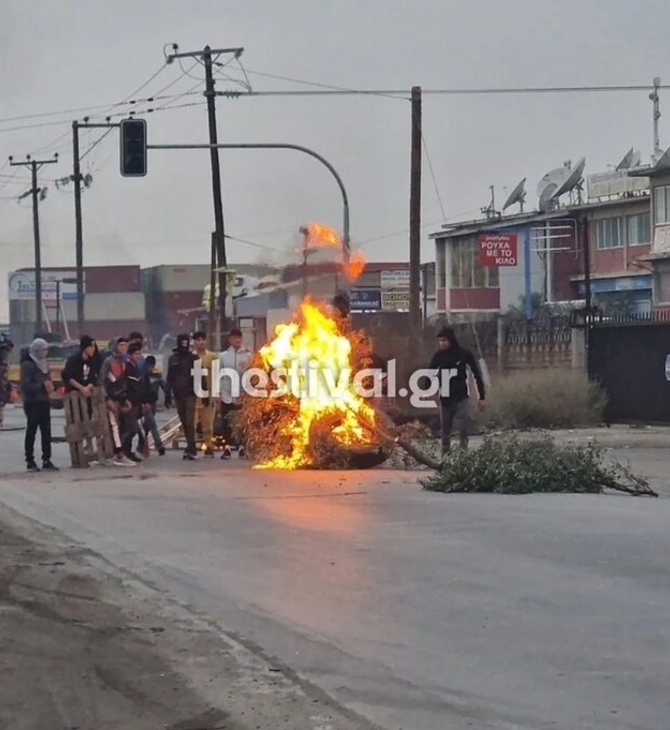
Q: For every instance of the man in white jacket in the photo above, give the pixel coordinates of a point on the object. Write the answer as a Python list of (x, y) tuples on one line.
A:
[(236, 357)]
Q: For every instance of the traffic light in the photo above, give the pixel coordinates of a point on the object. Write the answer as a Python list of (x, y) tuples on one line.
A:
[(133, 147)]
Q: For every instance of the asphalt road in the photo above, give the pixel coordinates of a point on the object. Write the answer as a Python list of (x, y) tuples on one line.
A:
[(415, 610)]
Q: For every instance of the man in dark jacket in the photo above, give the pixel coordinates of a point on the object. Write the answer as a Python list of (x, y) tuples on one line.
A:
[(452, 363), (180, 382), (36, 387), (82, 369)]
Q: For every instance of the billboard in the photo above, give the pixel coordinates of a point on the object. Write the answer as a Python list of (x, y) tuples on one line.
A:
[(365, 299), (395, 279), (497, 249), (21, 285), (395, 300)]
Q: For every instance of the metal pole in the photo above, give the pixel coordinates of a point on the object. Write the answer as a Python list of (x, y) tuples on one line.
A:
[(58, 306), (78, 228), (38, 252), (587, 267), (219, 226), (528, 294), (211, 318), (415, 217)]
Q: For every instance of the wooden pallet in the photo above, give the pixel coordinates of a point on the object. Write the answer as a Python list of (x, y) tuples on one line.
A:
[(87, 429)]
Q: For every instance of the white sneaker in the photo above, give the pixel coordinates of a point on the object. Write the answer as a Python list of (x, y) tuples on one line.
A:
[(123, 460)]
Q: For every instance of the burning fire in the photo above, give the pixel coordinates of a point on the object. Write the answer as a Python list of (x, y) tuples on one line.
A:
[(319, 236), (314, 343)]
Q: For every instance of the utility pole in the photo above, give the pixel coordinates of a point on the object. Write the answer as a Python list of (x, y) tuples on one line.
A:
[(415, 219), (77, 178), (34, 166), (205, 57), (78, 228)]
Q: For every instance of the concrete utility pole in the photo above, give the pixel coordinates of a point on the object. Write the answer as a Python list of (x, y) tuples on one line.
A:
[(415, 219), (36, 192), (205, 56), (77, 179), (78, 229)]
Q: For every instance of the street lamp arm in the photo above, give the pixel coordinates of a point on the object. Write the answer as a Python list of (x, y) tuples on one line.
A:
[(276, 146)]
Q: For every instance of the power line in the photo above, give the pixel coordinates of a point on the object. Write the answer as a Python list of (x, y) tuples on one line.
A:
[(432, 174)]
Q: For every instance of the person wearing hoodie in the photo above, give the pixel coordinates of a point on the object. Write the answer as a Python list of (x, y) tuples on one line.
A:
[(180, 382), (113, 379), (82, 369), (452, 362), (36, 387)]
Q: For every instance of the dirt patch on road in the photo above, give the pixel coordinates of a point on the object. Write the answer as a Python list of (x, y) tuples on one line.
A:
[(87, 647)]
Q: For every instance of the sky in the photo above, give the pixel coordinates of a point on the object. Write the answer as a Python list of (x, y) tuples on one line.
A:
[(67, 55)]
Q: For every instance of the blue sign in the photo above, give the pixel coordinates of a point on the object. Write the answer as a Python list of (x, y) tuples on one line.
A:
[(618, 284), (365, 299)]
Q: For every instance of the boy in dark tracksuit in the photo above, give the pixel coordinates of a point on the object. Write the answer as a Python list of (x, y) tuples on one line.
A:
[(135, 391), (452, 362), (180, 383), (113, 378)]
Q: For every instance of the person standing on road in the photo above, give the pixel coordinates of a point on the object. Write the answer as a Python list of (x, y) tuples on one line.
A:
[(113, 379), (82, 369), (205, 408), (151, 388), (236, 357), (6, 390), (180, 382), (451, 361), (36, 387)]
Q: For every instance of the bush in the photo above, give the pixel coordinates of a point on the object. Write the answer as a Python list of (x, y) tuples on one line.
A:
[(543, 399), (509, 465)]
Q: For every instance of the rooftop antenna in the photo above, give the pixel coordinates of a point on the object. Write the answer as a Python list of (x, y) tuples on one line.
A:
[(518, 195), (658, 152), (490, 210), (574, 181)]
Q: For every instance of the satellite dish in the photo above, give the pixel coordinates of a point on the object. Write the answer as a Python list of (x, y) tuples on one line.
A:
[(573, 180), (626, 161), (548, 185), (518, 195), (664, 160)]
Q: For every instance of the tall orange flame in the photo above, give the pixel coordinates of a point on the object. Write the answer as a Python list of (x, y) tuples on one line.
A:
[(313, 342), (319, 236)]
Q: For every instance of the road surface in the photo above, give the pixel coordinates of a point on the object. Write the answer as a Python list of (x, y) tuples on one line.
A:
[(413, 610)]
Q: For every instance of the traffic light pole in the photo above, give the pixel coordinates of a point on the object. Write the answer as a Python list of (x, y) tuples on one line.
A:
[(34, 166), (346, 237)]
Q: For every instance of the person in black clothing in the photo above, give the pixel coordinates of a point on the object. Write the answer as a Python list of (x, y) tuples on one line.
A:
[(452, 363), (180, 383), (82, 369), (36, 387), (151, 389), (136, 395)]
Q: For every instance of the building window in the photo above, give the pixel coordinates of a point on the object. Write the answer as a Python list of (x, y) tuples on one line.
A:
[(466, 271), (639, 229), (608, 233), (662, 204)]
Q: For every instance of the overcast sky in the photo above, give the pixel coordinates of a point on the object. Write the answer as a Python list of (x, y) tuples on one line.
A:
[(66, 54)]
